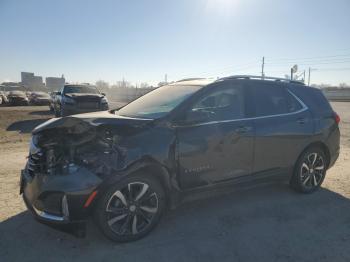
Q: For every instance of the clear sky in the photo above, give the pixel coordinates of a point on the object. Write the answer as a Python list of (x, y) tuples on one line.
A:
[(141, 40)]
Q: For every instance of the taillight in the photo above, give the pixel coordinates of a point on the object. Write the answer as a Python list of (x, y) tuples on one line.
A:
[(336, 117)]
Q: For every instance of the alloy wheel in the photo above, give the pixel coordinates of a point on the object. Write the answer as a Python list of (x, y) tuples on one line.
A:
[(312, 170), (131, 209)]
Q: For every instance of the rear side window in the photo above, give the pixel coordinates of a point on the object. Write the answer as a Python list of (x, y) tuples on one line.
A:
[(273, 100)]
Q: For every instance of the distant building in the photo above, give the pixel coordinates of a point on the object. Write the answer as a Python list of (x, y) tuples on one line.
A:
[(55, 83), (31, 81)]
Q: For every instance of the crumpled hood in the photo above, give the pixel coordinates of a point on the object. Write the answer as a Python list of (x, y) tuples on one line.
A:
[(88, 120)]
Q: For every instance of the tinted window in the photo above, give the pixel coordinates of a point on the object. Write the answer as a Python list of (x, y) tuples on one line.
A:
[(269, 100), (313, 98), (293, 103), (222, 104), (81, 89), (321, 103)]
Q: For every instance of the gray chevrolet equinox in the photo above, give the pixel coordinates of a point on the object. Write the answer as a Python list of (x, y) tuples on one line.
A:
[(126, 166)]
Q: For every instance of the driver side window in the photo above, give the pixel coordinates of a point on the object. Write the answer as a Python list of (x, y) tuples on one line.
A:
[(220, 104)]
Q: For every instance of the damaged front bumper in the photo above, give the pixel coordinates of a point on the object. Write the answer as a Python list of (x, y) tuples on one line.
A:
[(68, 159), (58, 200)]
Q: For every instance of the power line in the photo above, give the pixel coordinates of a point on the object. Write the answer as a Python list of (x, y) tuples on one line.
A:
[(312, 61), (310, 58), (281, 64), (334, 69), (307, 64)]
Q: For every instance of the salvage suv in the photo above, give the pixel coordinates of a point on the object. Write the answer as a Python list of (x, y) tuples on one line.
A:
[(74, 99), (124, 167)]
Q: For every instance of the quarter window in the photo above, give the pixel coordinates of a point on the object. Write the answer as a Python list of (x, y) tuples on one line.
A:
[(293, 104)]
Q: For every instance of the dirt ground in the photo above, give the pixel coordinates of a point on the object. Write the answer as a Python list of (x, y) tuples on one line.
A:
[(270, 223)]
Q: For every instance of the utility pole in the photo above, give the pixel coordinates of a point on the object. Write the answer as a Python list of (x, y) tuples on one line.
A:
[(308, 81), (262, 67), (166, 78), (291, 73)]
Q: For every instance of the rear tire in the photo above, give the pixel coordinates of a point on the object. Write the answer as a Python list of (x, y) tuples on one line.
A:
[(130, 209), (310, 170)]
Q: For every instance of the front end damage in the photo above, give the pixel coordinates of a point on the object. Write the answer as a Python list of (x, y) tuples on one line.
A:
[(68, 159), (77, 145)]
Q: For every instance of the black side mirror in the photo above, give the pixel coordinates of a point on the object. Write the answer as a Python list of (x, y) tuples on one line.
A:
[(104, 94)]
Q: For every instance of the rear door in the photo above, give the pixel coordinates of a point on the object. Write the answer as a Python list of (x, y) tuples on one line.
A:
[(283, 126), (220, 147)]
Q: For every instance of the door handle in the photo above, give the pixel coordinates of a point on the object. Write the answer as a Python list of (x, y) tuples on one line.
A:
[(302, 120), (242, 129)]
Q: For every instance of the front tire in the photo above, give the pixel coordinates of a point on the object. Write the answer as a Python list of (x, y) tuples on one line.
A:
[(130, 209), (57, 112), (310, 170)]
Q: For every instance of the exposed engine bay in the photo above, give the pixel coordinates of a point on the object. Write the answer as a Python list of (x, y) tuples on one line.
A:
[(79, 144)]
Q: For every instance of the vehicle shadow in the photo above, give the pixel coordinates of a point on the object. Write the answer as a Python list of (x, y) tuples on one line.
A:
[(271, 223), (41, 113), (25, 126)]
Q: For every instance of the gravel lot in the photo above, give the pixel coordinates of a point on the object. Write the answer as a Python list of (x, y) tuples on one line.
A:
[(270, 223)]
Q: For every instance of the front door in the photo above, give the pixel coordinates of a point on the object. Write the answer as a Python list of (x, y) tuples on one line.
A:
[(219, 147)]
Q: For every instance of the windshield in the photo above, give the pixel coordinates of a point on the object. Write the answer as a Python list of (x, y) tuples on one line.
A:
[(81, 89), (159, 102)]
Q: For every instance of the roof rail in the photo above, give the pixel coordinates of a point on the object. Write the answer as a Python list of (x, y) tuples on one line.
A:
[(261, 78), (190, 79)]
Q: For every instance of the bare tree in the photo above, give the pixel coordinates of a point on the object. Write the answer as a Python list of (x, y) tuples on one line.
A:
[(343, 85), (144, 85), (103, 86)]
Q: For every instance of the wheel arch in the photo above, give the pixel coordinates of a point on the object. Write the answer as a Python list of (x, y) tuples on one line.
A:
[(156, 171), (151, 168), (320, 145)]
